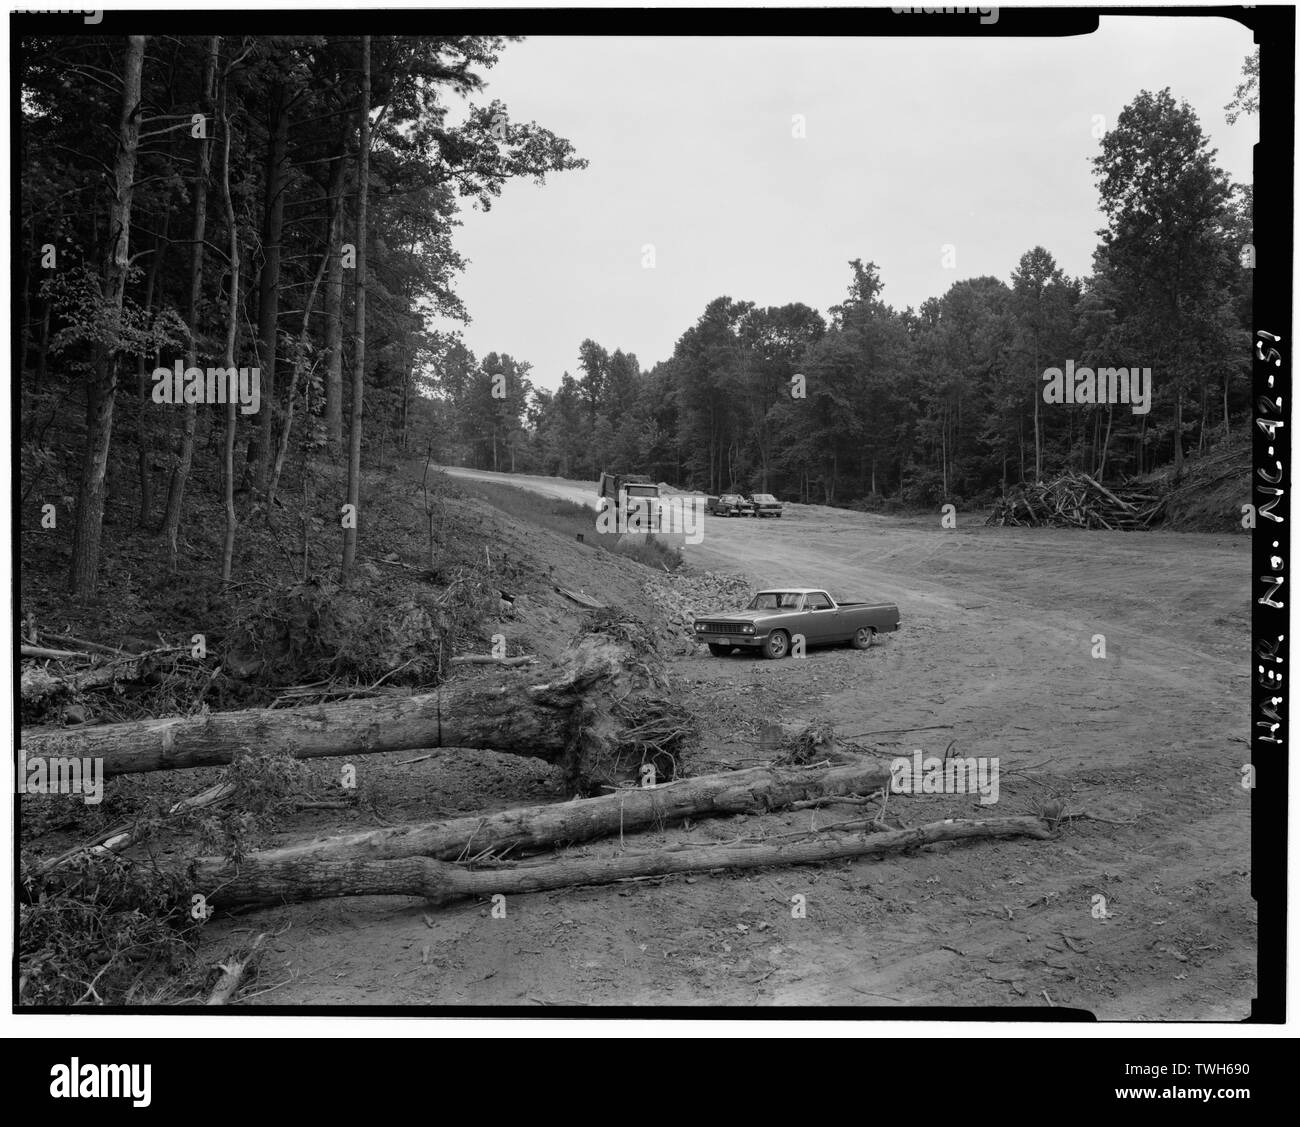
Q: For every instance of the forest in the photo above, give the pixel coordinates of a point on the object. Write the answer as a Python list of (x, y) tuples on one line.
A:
[(269, 653), (280, 203), (290, 204), (916, 407)]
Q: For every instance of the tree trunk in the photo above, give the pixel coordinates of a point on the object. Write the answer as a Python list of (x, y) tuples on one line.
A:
[(299, 364), (268, 302), (943, 452), (181, 464), (1105, 446), (407, 380), (308, 500), (530, 828), (515, 712), (334, 316), (102, 387), (232, 329), (28, 252), (1038, 399), (442, 883), (144, 384), (42, 356), (1205, 416), (359, 347), (1178, 434)]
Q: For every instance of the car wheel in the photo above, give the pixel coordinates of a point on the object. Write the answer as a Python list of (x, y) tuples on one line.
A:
[(864, 637), (776, 645), (719, 651)]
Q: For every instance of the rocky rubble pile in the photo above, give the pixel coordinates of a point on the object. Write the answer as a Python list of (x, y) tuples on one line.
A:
[(682, 598)]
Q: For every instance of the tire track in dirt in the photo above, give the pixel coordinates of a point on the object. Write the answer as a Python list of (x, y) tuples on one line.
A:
[(996, 642), (998, 629)]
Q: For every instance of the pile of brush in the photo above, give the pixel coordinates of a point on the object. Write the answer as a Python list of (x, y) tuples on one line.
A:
[(1076, 500)]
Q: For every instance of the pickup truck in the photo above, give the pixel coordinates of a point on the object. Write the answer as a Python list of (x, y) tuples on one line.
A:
[(765, 505), (729, 505), (775, 618)]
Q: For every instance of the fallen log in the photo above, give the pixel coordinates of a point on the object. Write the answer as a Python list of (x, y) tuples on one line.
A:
[(43, 690), (1107, 493), (568, 718), (54, 655), (442, 883), (581, 598), (83, 644), (755, 790), (42, 687)]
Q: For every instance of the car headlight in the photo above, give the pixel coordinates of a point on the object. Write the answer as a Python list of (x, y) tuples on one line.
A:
[(746, 629), (699, 626)]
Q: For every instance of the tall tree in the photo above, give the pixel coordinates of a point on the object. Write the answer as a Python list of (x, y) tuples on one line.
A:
[(334, 312), (1167, 206), (102, 387), (359, 340), (183, 460), (278, 99), (1041, 301), (232, 335)]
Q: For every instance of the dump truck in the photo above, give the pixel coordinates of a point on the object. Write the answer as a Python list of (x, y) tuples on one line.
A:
[(637, 491)]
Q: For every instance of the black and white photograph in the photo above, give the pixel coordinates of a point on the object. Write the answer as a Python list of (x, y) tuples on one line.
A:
[(566, 513)]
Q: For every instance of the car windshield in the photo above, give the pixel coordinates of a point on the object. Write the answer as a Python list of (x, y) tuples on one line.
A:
[(766, 498), (643, 491), (775, 600)]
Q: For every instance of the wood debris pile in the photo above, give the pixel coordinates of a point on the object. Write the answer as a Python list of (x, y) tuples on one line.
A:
[(1076, 500)]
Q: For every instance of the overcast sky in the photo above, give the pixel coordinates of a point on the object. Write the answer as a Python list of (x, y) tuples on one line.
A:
[(910, 144)]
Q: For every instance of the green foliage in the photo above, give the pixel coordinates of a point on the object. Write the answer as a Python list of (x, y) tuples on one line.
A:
[(101, 931), (650, 551), (1245, 99), (266, 786), (315, 631), (76, 297)]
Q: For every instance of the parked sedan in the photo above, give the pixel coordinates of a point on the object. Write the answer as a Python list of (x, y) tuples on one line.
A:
[(775, 620), (765, 505), (729, 505)]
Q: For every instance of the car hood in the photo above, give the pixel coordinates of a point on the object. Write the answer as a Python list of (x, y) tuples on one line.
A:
[(743, 615)]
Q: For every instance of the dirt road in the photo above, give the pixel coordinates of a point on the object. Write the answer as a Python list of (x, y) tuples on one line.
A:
[(999, 631), (580, 492), (1143, 915)]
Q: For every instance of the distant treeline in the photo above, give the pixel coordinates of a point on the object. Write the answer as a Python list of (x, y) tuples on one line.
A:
[(918, 406)]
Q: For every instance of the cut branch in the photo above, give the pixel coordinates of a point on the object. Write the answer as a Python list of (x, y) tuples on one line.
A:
[(441, 883), (128, 833), (233, 974)]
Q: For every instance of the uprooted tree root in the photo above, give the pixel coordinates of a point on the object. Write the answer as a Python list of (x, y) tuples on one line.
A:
[(809, 745), (564, 714)]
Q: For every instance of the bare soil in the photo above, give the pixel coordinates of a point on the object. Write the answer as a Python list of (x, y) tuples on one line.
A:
[(996, 643)]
